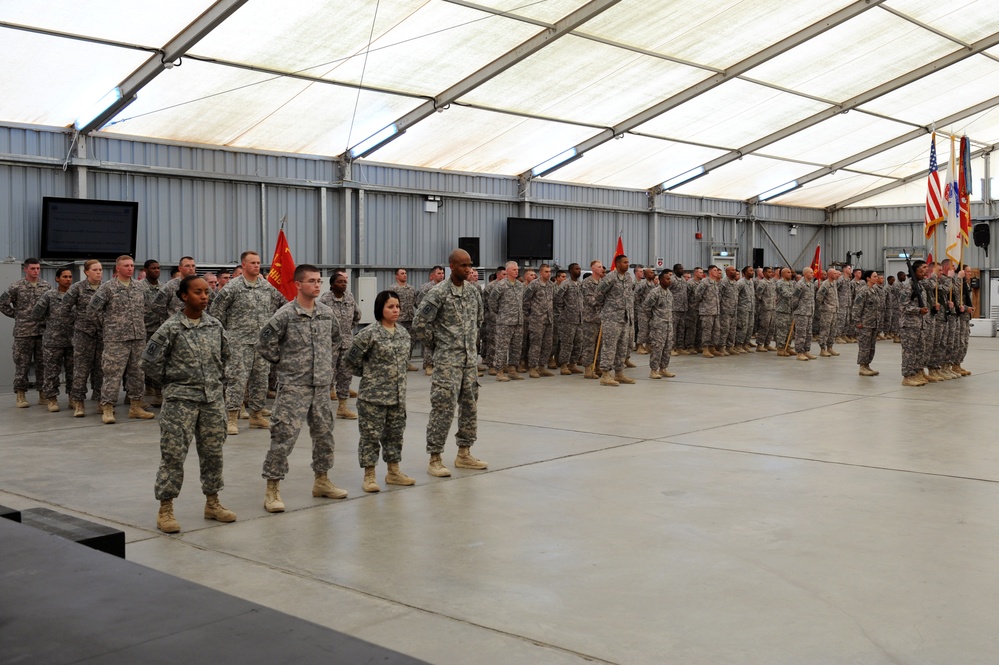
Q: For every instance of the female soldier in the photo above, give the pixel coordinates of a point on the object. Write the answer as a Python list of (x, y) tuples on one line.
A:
[(88, 343)]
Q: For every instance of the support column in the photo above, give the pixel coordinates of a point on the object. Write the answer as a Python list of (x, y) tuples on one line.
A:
[(80, 184)]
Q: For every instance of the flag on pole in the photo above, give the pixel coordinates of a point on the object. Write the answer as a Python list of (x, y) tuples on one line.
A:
[(618, 251), (964, 190), (953, 198), (282, 273), (817, 262), (934, 195)]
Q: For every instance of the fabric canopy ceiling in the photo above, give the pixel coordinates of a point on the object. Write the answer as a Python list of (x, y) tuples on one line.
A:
[(831, 99)]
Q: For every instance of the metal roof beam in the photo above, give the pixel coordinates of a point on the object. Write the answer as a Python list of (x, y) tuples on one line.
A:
[(170, 53), (732, 72)]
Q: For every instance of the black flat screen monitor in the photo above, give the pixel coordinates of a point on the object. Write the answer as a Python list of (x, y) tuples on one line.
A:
[(530, 239), (88, 229)]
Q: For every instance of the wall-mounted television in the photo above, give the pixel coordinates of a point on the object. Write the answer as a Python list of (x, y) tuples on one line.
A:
[(79, 229), (529, 239)]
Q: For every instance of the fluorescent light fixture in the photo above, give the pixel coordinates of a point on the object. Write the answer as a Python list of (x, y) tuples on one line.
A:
[(676, 181), (106, 102), (555, 162), (723, 253), (375, 141), (777, 191)]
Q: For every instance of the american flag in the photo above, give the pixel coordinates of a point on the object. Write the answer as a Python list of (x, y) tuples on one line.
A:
[(934, 194)]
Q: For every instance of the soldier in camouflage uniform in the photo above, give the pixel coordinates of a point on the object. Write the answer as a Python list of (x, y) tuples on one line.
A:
[(407, 307), (57, 341), (17, 302), (151, 282), (845, 292), (591, 319), (643, 284), (728, 304), (965, 311), (678, 287), (708, 308), (88, 338), (692, 338), (450, 317), (568, 306), (347, 315), (164, 301), (745, 310), (186, 356), (914, 309), (538, 300), (827, 303), (766, 304), (803, 309), (436, 277), (506, 301), (865, 316), (946, 350), (379, 355), (301, 339), (615, 297), (243, 306), (784, 291), (935, 297), (487, 334), (657, 309)]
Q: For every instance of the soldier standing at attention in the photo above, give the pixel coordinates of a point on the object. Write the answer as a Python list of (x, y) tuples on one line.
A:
[(506, 301), (243, 306), (827, 302), (766, 303), (615, 298), (450, 317), (784, 306), (913, 308), (347, 315), (538, 300), (844, 291), (591, 319), (17, 302), (803, 309), (165, 302), (708, 308), (57, 341), (436, 277), (643, 284), (866, 311), (118, 306), (568, 303), (300, 339), (678, 287), (88, 338), (379, 355), (407, 306), (658, 308), (186, 356), (744, 310)]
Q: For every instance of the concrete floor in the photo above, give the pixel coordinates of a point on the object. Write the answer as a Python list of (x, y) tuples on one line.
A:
[(751, 510)]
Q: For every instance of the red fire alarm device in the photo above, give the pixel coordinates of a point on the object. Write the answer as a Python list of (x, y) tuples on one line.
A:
[(698, 235)]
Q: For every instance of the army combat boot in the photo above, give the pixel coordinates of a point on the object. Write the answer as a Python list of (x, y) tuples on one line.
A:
[(397, 477), (232, 422), (272, 498), (343, 411), (216, 511), (437, 468), (165, 521), (564, 370), (135, 410), (53, 405), (607, 379), (865, 370), (257, 420), (78, 411), (620, 377), (107, 414), (370, 482), (22, 401), (325, 488), (465, 460)]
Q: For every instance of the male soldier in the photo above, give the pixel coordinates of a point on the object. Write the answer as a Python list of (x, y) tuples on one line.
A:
[(845, 292), (538, 299), (243, 306), (591, 319), (213, 284), (803, 310), (657, 308), (615, 297), (347, 315), (407, 301), (57, 341), (450, 316), (694, 333), (678, 287), (151, 281), (708, 307), (866, 310), (728, 304), (527, 279), (933, 330), (827, 302), (118, 307), (568, 305), (965, 310), (300, 339), (17, 302), (560, 277), (488, 332), (914, 310), (152, 278), (224, 277), (642, 288), (165, 301), (944, 351), (766, 304), (784, 292), (900, 278), (506, 301), (436, 277), (744, 310)]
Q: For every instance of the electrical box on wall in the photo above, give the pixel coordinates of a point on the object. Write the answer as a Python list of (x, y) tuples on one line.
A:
[(724, 258), (430, 206)]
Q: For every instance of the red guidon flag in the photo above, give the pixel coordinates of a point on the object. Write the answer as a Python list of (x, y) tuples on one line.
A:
[(618, 251), (817, 262), (282, 273)]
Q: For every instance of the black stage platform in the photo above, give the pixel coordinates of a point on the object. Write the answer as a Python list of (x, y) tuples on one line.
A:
[(61, 602)]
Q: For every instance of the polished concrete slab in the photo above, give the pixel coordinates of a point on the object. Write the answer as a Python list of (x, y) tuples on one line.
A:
[(754, 509)]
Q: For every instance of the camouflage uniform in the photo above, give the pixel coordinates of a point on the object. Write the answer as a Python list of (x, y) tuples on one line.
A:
[(450, 318), (766, 304), (57, 341), (243, 309), (708, 307), (428, 347), (506, 301), (945, 351), (538, 298), (827, 302), (407, 302), (187, 359), (692, 338), (165, 302), (844, 290), (119, 310), (568, 307), (380, 358), (657, 310), (933, 330), (678, 287), (150, 319), (866, 312), (88, 340), (744, 311), (893, 304), (964, 331), (911, 326), (17, 302), (591, 320), (803, 309), (641, 323), (615, 297), (301, 345), (728, 303), (784, 291), (347, 316)]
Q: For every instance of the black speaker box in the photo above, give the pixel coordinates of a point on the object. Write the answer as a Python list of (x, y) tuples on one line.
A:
[(982, 234), (470, 245), (757, 257)]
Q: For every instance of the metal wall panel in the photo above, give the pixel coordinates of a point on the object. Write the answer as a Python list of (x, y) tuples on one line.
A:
[(436, 181), (34, 142), (21, 192)]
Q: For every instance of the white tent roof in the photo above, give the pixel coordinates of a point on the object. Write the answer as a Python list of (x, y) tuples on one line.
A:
[(837, 95)]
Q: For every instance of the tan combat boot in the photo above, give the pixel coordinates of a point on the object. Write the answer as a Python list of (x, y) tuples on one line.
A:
[(607, 379), (543, 372), (107, 414), (257, 420), (78, 411), (465, 460), (344, 412), (397, 477), (165, 521), (552, 364), (564, 370), (437, 468), (621, 378), (272, 497), (534, 374), (824, 353), (266, 413), (802, 356), (865, 370), (575, 369), (232, 422), (156, 399), (511, 372), (22, 401), (522, 368), (243, 415), (642, 350), (135, 410), (370, 483), (810, 355), (707, 353), (410, 367), (653, 374), (589, 373), (323, 487), (833, 352), (666, 374), (501, 376), (912, 381), (960, 370), (53, 405), (492, 371), (761, 349), (216, 511), (628, 362)]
